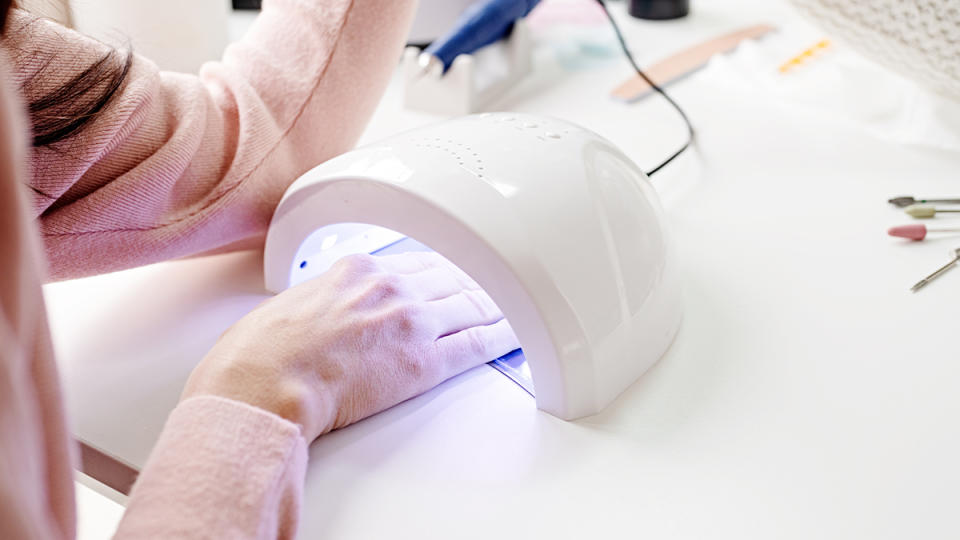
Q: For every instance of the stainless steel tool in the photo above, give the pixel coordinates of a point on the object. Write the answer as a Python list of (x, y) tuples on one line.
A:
[(939, 272)]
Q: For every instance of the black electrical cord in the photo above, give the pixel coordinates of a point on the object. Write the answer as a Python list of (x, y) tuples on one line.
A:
[(626, 50)]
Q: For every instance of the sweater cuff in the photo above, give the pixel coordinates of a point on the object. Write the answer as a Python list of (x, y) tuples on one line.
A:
[(222, 469)]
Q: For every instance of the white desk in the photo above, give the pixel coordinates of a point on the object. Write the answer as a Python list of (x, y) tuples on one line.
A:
[(808, 394)]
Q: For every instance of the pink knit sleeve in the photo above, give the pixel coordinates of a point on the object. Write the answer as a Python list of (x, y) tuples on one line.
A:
[(221, 469), (184, 164), (36, 476)]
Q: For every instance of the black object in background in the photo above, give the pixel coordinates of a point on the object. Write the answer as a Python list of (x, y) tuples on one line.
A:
[(246, 4), (659, 9)]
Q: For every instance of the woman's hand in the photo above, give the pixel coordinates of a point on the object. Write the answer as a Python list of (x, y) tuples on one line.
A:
[(367, 334)]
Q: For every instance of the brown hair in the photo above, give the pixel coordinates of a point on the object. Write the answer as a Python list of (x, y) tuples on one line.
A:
[(5, 6), (64, 111)]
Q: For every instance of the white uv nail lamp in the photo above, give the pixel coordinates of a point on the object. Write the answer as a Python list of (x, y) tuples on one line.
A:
[(559, 227)]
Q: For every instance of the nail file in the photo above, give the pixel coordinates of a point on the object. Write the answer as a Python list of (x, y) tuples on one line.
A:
[(686, 62)]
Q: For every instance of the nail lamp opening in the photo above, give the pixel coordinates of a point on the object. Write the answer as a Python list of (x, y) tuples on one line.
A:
[(560, 228)]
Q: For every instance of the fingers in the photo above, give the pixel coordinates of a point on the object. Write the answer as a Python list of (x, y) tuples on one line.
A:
[(461, 311), (439, 283), (428, 275), (476, 345), (411, 262)]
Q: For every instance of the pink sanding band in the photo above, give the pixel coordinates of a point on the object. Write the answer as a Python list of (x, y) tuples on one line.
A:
[(913, 231)]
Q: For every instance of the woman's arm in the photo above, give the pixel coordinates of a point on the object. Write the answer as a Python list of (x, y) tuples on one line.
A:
[(181, 164), (366, 335), (221, 469), (36, 482)]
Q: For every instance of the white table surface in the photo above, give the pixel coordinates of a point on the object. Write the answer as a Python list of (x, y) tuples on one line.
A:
[(808, 394)]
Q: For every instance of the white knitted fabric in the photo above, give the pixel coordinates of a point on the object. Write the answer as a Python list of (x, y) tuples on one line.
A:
[(918, 38)]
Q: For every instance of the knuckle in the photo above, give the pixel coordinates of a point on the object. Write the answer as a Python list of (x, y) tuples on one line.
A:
[(408, 319), (388, 285), (482, 303), (403, 322), (379, 289), (477, 341)]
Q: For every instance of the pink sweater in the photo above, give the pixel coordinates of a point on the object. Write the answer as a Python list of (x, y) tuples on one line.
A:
[(178, 165)]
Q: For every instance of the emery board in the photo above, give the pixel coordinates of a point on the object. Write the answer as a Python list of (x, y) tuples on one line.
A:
[(685, 62)]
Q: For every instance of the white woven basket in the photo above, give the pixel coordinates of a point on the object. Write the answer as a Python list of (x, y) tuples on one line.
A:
[(918, 38)]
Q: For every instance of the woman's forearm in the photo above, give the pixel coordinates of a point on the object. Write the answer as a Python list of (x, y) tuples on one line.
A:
[(183, 164)]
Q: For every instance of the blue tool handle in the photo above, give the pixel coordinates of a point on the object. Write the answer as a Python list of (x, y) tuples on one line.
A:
[(483, 23)]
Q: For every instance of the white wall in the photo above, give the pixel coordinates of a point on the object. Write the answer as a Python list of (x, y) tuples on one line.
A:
[(54, 9), (179, 35)]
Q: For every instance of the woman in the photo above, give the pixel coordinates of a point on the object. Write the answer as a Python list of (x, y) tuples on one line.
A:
[(128, 166)]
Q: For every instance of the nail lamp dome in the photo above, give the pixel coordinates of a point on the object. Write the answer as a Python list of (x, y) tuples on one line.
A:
[(560, 228)]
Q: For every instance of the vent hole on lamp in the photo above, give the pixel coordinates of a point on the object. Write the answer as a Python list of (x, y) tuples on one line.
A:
[(328, 244)]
